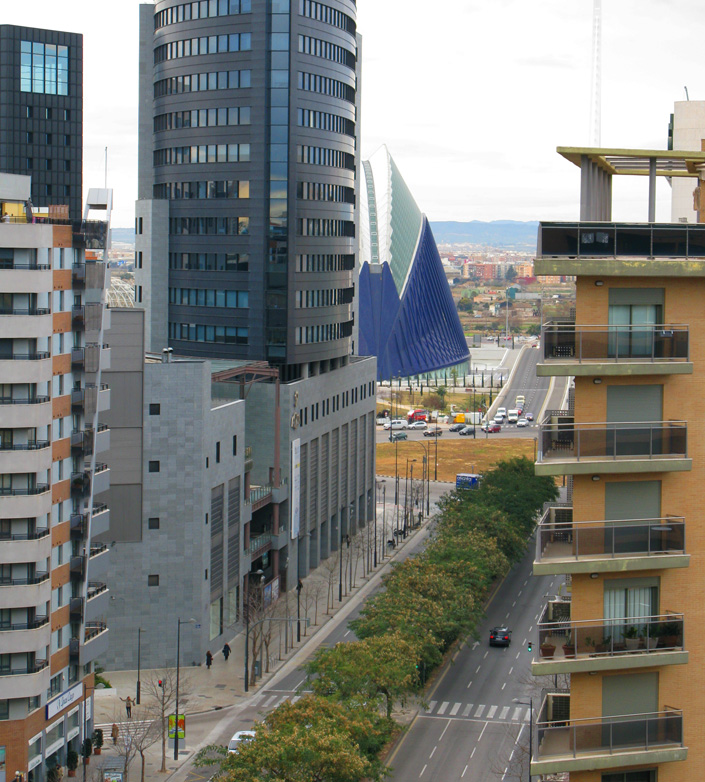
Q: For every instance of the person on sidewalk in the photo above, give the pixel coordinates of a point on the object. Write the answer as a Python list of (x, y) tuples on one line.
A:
[(226, 651), (209, 660), (115, 732), (128, 706)]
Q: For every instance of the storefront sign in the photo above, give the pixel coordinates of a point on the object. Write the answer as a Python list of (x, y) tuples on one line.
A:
[(64, 700)]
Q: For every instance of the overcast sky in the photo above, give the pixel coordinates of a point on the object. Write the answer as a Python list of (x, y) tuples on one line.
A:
[(471, 96)]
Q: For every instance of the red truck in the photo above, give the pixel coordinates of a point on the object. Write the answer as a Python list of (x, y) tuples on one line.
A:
[(417, 415)]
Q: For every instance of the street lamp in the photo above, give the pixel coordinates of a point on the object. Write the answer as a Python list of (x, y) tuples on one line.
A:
[(139, 649), (530, 704), (299, 587), (259, 573), (178, 660), (340, 557), (378, 485), (86, 690)]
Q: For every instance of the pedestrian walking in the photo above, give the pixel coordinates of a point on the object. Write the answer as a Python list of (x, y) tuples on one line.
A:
[(128, 706), (226, 651), (115, 732), (209, 660)]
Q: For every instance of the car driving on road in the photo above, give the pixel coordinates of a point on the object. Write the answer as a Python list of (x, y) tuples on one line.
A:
[(238, 738), (418, 425), (433, 432), (491, 428), (399, 436), (500, 636), (467, 430), (456, 427), (522, 422), (397, 423)]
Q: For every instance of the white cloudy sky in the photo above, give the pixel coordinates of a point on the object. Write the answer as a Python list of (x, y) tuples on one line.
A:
[(471, 96)]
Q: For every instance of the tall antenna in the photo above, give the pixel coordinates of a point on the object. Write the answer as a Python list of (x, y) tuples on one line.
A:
[(596, 98)]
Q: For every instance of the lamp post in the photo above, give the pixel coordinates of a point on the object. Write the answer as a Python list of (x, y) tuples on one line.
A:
[(530, 704), (85, 753), (139, 649), (299, 587), (350, 525), (176, 705), (378, 485), (259, 573), (340, 557)]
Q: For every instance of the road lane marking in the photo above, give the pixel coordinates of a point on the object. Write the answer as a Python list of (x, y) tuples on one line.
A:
[(474, 750), (475, 645), (432, 752), (519, 595), (491, 712), (482, 731), (518, 653), (531, 628), (526, 582), (442, 708), (486, 653), (516, 714), (510, 670), (504, 685), (445, 729), (455, 709), (479, 711), (467, 709), (422, 770), (507, 616), (431, 706), (296, 698), (269, 700), (469, 685), (464, 770), (514, 603), (300, 683), (504, 712), (478, 669), (527, 716)]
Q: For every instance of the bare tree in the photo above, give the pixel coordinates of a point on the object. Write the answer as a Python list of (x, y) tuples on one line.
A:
[(160, 692), (330, 569), (512, 762), (317, 586), (136, 736)]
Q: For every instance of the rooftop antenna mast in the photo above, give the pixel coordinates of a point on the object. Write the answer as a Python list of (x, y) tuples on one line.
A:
[(596, 98)]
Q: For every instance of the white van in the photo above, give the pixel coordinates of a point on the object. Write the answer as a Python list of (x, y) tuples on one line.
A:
[(502, 411), (512, 416), (397, 423)]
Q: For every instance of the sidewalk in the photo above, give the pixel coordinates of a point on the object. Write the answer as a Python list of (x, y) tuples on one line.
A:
[(222, 686)]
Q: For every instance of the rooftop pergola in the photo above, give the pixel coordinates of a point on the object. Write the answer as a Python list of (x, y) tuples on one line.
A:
[(598, 166)]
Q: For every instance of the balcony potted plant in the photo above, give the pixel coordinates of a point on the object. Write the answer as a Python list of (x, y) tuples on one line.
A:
[(72, 762), (97, 741), (648, 636), (547, 649), (631, 638), (604, 645), (569, 647), (668, 633)]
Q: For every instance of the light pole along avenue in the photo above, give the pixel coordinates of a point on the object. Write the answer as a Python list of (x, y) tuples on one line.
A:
[(176, 705), (530, 704)]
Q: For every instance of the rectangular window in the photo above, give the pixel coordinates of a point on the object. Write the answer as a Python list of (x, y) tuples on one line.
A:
[(217, 453), (153, 523), (234, 445), (154, 408), (154, 466), (153, 581)]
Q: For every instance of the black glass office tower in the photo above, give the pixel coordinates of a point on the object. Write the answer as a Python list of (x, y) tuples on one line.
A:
[(247, 194), (41, 113)]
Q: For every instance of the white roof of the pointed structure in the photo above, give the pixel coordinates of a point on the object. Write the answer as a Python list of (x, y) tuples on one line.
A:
[(390, 219)]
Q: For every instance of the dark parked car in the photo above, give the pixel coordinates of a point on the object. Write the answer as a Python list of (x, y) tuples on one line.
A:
[(500, 636), (433, 432), (491, 428), (529, 417), (467, 430), (456, 427), (399, 436)]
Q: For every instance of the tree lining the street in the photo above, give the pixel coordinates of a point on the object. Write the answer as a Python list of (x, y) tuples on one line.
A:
[(428, 602)]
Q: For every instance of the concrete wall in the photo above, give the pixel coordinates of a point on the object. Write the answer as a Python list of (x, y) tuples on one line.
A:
[(688, 134)]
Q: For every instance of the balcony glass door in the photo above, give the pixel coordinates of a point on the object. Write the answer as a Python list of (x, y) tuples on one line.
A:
[(630, 500), (625, 601)]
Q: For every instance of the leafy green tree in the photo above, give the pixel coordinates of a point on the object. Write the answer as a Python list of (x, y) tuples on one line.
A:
[(364, 671), (511, 274), (442, 392)]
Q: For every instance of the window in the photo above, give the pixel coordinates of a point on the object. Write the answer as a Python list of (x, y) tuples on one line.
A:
[(155, 408), (153, 581), (44, 69), (217, 453), (154, 466), (30, 138), (234, 445), (153, 523)]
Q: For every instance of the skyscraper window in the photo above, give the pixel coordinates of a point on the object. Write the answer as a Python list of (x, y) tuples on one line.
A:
[(44, 68)]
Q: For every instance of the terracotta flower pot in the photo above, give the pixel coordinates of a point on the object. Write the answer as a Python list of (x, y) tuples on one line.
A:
[(547, 650)]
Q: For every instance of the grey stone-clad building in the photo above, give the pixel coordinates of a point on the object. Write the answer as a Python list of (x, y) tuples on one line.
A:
[(41, 112), (178, 457)]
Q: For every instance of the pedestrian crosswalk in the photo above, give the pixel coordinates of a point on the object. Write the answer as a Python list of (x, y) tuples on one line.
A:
[(476, 711)]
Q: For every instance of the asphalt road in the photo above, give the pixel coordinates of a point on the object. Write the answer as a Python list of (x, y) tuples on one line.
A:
[(471, 724)]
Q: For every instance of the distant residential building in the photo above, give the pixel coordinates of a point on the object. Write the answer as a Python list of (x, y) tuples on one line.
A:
[(687, 132), (407, 317), (53, 481)]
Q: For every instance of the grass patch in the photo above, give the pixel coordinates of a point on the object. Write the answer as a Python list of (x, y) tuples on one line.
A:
[(454, 456)]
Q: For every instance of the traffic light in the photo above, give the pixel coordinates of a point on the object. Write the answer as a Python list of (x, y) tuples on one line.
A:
[(529, 646), (161, 683)]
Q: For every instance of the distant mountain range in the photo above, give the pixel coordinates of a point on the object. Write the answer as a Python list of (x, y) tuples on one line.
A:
[(126, 235), (497, 233)]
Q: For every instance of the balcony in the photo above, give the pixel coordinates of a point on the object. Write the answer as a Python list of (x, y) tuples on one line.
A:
[(102, 438), (100, 521), (620, 249), (567, 646), (18, 637), (78, 526), (25, 547), (30, 457), (82, 441), (95, 642), (97, 601), (30, 591), (78, 274), (101, 479), (259, 496), (18, 323), (34, 367), (76, 609), (98, 562), (80, 483), (30, 412), (614, 350), (77, 566), (566, 745), (78, 316), (259, 544), (78, 398), (25, 503), (564, 546), (639, 447), (23, 682), (86, 357)]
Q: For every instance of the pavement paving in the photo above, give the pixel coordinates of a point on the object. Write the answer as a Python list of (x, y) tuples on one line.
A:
[(222, 686)]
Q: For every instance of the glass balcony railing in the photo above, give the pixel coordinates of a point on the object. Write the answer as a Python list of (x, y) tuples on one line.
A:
[(568, 342), (638, 440), (259, 543), (558, 537), (560, 738), (568, 640), (258, 493), (613, 240)]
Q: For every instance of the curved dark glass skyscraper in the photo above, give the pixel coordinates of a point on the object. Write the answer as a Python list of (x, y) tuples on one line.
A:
[(245, 223), (407, 315)]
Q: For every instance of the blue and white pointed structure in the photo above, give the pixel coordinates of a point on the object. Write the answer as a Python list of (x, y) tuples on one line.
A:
[(407, 316)]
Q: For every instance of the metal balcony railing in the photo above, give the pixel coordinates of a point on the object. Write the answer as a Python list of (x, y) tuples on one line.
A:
[(605, 735), (37, 355), (35, 400), (558, 537), (34, 624), (615, 240), (39, 665), (40, 488), (37, 578), (566, 341), (95, 588), (567, 639), (37, 445), (637, 440), (95, 628), (95, 550), (37, 534), (25, 311)]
